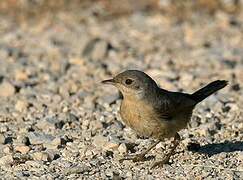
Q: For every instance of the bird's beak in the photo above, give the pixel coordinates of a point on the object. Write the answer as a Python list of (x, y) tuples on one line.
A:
[(108, 81)]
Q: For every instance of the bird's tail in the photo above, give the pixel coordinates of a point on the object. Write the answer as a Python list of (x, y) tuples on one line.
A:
[(206, 91)]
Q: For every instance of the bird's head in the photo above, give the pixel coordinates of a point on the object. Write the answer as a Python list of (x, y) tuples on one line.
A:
[(132, 84)]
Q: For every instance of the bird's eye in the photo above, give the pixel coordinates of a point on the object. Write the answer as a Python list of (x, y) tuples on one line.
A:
[(128, 81)]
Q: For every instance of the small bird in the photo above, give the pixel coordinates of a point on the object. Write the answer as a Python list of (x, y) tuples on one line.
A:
[(155, 112)]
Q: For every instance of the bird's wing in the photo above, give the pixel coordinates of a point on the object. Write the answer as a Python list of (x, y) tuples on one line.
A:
[(170, 104)]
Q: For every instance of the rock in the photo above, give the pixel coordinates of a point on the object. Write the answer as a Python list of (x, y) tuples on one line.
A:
[(21, 105), (21, 158), (21, 75), (110, 98), (6, 89), (103, 143), (111, 146), (32, 163), (46, 125), (240, 154), (203, 130), (39, 138), (7, 149), (77, 170), (100, 141), (6, 160), (2, 139), (52, 155), (41, 156), (100, 50), (89, 153), (186, 79), (122, 148), (96, 125), (3, 128), (54, 143), (22, 149), (76, 61)]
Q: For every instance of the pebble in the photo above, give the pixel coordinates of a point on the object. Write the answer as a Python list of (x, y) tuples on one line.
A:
[(111, 146), (2, 139), (22, 149), (100, 141), (7, 149), (96, 125), (6, 89), (41, 156), (110, 98), (240, 156), (122, 148), (46, 125), (103, 143), (40, 138), (21, 105), (99, 50), (6, 160), (54, 143), (21, 75)]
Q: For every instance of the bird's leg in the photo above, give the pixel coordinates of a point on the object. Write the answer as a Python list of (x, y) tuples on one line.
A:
[(166, 159), (140, 156)]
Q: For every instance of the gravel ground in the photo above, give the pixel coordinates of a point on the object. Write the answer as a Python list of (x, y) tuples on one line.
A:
[(59, 122)]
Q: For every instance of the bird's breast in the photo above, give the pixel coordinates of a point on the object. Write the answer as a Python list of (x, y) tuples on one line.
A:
[(141, 117)]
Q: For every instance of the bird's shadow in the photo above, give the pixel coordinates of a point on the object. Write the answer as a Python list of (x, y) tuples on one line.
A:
[(216, 148)]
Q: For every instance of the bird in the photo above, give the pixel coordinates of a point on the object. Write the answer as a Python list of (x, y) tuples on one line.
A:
[(154, 112)]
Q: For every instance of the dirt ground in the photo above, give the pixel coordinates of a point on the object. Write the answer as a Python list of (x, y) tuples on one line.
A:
[(57, 121)]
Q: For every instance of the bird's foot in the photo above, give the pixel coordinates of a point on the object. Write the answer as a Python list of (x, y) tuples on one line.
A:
[(134, 158)]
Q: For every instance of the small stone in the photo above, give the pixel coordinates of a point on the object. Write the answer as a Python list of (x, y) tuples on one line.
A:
[(96, 125), (111, 146), (110, 98), (99, 50), (89, 153), (6, 160), (46, 125), (6, 89), (100, 141), (52, 155), (3, 128), (202, 131), (76, 61), (54, 143), (21, 75), (2, 138), (103, 143), (7, 150), (65, 109), (40, 156), (122, 148), (39, 138), (186, 79), (21, 105), (22, 149), (240, 156)]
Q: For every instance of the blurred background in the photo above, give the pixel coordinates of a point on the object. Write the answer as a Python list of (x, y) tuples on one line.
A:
[(58, 121)]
